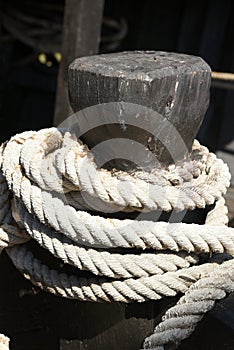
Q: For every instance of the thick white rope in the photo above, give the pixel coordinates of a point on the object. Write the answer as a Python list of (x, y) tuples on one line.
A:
[(4, 342), (53, 180), (180, 321), (103, 263), (111, 187), (142, 289), (84, 228), (100, 289)]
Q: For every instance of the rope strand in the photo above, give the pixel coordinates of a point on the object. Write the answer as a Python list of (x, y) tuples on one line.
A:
[(51, 191)]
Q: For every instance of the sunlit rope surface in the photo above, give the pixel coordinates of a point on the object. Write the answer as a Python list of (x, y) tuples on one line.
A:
[(46, 177)]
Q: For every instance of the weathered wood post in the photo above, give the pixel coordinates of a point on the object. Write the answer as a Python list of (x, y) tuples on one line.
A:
[(81, 36), (176, 88)]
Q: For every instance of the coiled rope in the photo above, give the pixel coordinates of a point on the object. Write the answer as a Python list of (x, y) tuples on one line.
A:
[(51, 191)]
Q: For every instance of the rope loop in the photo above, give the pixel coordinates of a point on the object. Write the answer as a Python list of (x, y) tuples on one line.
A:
[(52, 192)]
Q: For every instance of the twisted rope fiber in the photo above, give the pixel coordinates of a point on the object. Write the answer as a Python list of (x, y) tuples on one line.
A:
[(75, 163), (180, 321), (4, 342), (50, 175), (167, 284), (102, 262), (83, 228)]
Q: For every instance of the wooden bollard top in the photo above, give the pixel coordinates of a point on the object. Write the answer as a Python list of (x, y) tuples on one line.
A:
[(175, 86)]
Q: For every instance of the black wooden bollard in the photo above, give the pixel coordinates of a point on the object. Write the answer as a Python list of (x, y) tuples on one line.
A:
[(176, 87)]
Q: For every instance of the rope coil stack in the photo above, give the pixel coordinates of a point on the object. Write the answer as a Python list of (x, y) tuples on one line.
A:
[(51, 191)]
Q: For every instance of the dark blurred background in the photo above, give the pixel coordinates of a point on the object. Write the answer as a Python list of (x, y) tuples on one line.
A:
[(30, 54), (30, 46)]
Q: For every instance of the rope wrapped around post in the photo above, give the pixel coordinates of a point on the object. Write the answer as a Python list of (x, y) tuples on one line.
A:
[(48, 207)]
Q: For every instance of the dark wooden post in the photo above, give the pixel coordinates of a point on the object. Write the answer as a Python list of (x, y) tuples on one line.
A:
[(81, 37), (176, 87)]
